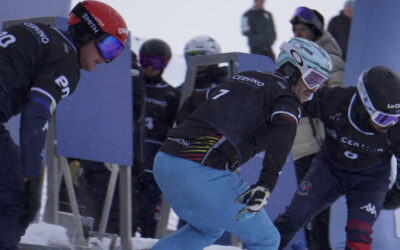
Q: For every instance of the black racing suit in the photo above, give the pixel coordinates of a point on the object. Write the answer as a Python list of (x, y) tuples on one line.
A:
[(39, 65), (252, 112), (161, 102), (353, 161)]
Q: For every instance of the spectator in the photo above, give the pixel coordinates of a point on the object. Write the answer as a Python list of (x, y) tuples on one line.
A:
[(161, 102), (355, 159), (195, 165), (208, 76), (339, 26), (40, 65), (309, 24), (258, 25)]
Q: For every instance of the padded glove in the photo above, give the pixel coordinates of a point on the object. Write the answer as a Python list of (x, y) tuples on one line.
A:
[(255, 198), (392, 198), (30, 200)]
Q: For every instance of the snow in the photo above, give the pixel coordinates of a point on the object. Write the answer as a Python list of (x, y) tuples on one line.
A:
[(45, 234)]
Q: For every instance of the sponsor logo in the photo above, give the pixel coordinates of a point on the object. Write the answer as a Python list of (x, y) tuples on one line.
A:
[(350, 142), (39, 32), (249, 80), (157, 102), (304, 188), (91, 23), (123, 31), (63, 83), (393, 106), (179, 141), (370, 209), (99, 21)]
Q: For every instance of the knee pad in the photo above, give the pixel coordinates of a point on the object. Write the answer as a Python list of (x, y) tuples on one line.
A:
[(358, 235)]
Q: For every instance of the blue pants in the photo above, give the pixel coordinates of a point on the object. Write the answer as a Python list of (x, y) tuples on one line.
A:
[(324, 183), (11, 187), (205, 198)]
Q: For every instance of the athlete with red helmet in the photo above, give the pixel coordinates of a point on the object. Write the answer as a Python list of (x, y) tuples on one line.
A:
[(39, 66)]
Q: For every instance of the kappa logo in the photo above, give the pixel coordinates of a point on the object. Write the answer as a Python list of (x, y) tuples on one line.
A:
[(369, 208)]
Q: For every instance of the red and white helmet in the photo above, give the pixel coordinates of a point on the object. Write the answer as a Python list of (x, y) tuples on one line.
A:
[(94, 20)]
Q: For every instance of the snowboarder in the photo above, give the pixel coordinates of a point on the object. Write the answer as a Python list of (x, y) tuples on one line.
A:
[(195, 165), (362, 134), (39, 66)]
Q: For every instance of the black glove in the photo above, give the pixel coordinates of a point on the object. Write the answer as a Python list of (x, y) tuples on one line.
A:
[(255, 198), (30, 200), (392, 198)]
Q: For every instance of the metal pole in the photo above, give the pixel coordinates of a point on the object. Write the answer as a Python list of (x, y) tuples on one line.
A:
[(125, 206), (108, 200), (72, 200)]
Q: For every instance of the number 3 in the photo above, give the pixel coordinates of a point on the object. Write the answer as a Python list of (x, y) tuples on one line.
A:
[(221, 93)]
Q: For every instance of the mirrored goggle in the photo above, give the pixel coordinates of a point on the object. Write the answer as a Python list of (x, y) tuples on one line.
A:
[(156, 62), (109, 47), (307, 15), (383, 120), (313, 79)]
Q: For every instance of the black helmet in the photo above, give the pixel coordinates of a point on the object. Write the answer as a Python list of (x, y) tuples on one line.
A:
[(156, 47), (379, 90), (310, 18)]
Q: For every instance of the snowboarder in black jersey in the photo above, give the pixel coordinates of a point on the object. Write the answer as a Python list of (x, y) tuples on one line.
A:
[(252, 112), (39, 66), (362, 134)]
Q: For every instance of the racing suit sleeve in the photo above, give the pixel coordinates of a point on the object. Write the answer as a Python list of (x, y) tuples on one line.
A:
[(35, 119), (315, 107), (280, 139)]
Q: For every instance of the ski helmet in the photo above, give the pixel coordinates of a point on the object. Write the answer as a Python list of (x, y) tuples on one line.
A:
[(310, 18), (379, 91), (155, 52), (202, 45), (93, 20), (299, 57)]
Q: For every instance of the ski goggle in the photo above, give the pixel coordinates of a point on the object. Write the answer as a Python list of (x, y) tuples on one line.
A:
[(307, 15), (196, 53), (109, 47), (378, 117), (156, 62), (383, 120), (312, 78)]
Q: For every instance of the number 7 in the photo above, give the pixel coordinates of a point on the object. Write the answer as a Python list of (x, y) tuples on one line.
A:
[(221, 93)]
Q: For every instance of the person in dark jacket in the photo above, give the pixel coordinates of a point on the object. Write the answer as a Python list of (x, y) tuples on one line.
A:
[(195, 165), (339, 26), (258, 25), (309, 24), (362, 134), (158, 111), (40, 65)]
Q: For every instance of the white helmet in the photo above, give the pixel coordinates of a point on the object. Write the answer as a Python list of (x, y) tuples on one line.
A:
[(202, 45)]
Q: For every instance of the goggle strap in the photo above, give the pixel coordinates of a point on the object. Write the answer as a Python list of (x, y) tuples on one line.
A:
[(80, 11)]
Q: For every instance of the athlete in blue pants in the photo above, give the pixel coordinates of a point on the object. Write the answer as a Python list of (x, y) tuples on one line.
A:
[(195, 167), (191, 196)]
